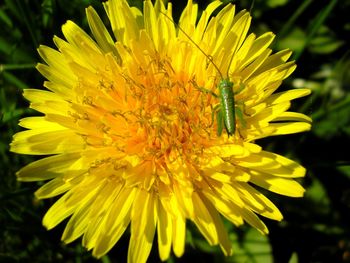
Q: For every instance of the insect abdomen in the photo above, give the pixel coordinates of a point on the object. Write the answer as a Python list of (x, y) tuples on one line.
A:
[(227, 102)]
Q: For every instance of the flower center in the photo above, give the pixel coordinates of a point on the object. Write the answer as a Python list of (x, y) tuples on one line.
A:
[(168, 117)]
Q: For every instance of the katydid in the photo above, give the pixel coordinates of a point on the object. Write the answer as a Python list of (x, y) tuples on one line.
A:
[(227, 110)]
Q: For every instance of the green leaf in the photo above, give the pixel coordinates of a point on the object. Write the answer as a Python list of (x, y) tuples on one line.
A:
[(276, 3), (203, 245), (317, 193), (11, 78), (11, 115), (315, 25), (332, 119), (325, 42), (294, 258), (294, 40), (47, 12), (344, 169), (294, 18), (324, 45), (5, 46), (254, 248), (5, 19), (14, 216)]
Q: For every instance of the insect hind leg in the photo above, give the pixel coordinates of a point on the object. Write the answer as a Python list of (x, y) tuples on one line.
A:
[(220, 122), (239, 114)]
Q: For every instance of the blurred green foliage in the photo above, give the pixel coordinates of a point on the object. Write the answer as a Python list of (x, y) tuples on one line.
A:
[(315, 229)]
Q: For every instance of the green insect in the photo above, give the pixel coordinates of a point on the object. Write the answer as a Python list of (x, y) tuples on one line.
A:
[(226, 111)]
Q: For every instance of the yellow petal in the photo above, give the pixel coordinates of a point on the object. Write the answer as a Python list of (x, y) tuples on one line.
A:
[(225, 20), (78, 223), (98, 217), (253, 220), (223, 239), (54, 187), (258, 202), (56, 61), (164, 231), (287, 95), (204, 220), (151, 21), (287, 168), (278, 185), (78, 37), (188, 18), (254, 66), (269, 113), (46, 142), (289, 128), (116, 220), (41, 96), (122, 20), (58, 212), (258, 49), (57, 76), (225, 207), (227, 150), (179, 235), (292, 116), (273, 164), (47, 168), (204, 18), (100, 32), (143, 224)]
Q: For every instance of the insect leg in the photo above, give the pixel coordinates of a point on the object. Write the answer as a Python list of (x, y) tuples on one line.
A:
[(204, 89), (220, 121), (239, 114), (215, 109)]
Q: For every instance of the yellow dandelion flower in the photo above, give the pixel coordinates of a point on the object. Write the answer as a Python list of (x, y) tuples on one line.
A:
[(132, 136)]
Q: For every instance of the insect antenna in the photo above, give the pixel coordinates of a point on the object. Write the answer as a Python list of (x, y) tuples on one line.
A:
[(194, 43)]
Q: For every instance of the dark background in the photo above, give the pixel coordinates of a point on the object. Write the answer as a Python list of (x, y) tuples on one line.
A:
[(316, 228)]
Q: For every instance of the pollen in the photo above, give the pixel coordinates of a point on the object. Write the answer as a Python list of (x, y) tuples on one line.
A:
[(162, 118)]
